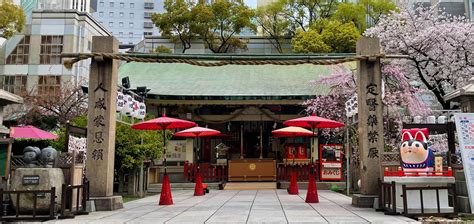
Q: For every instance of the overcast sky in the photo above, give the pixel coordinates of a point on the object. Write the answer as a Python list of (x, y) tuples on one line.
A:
[(251, 3)]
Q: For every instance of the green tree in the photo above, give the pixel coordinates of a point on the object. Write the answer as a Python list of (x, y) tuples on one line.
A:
[(273, 24), (341, 37), (309, 42), (12, 19), (175, 23), (161, 49), (302, 13), (376, 8), (131, 151), (327, 36), (350, 12), (217, 23)]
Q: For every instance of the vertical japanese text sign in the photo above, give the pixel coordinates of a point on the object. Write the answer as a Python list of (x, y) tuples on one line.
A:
[(101, 118), (465, 130), (369, 95)]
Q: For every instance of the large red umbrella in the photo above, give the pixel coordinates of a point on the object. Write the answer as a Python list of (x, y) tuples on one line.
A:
[(313, 122), (163, 123), (30, 132), (197, 132), (292, 132)]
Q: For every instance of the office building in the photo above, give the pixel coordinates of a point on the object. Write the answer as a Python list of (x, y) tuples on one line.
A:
[(30, 61), (128, 20)]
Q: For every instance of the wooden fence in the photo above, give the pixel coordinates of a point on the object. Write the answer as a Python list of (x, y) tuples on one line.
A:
[(209, 173), (17, 214), (302, 171)]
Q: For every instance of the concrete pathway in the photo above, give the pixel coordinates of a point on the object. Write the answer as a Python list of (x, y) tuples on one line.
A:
[(241, 206)]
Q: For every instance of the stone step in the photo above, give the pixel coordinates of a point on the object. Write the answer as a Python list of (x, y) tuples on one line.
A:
[(461, 188), (459, 175), (156, 188), (250, 186), (319, 185), (463, 204)]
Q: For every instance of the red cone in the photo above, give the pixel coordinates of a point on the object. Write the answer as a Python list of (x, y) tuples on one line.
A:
[(293, 189), (165, 197), (198, 189), (312, 194)]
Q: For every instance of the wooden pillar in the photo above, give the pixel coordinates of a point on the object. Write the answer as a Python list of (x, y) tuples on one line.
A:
[(369, 92), (101, 116)]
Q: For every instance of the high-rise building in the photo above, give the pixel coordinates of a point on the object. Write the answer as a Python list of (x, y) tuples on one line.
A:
[(31, 61), (79, 5), (128, 20)]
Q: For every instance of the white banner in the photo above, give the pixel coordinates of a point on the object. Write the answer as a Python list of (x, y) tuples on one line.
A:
[(465, 130)]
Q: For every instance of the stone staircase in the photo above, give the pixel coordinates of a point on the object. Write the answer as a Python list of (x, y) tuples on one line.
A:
[(461, 192)]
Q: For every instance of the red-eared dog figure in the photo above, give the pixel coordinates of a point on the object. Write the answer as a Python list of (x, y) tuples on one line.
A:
[(417, 157)]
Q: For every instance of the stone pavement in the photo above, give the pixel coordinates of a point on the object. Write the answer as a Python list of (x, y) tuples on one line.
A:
[(241, 206)]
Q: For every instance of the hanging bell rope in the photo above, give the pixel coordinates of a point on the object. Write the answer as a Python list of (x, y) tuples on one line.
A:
[(221, 60)]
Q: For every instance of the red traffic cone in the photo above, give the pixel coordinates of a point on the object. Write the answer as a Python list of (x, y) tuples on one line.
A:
[(312, 194), (165, 197), (198, 189), (293, 189)]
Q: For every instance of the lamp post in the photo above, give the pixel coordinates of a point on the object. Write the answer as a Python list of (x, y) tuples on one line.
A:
[(142, 91)]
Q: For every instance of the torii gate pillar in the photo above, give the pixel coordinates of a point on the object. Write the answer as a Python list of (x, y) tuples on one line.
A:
[(370, 130), (101, 118)]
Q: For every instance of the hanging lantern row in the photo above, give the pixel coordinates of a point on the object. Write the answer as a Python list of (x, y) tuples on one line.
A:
[(128, 106), (351, 106), (428, 119)]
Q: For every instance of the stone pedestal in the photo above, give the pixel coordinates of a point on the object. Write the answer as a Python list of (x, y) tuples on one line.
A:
[(429, 196), (36, 179), (107, 203), (364, 201)]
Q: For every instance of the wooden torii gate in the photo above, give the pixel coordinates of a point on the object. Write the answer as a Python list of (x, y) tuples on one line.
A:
[(103, 81)]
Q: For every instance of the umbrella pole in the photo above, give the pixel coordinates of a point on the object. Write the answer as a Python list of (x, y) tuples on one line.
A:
[(164, 148), (199, 154), (312, 150)]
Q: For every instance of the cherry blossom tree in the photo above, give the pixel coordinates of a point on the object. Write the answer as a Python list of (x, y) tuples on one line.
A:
[(400, 98), (440, 47)]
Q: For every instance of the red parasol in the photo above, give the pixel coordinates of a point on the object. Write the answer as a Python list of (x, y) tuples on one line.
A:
[(292, 132), (313, 122), (163, 123), (197, 132), (30, 132)]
